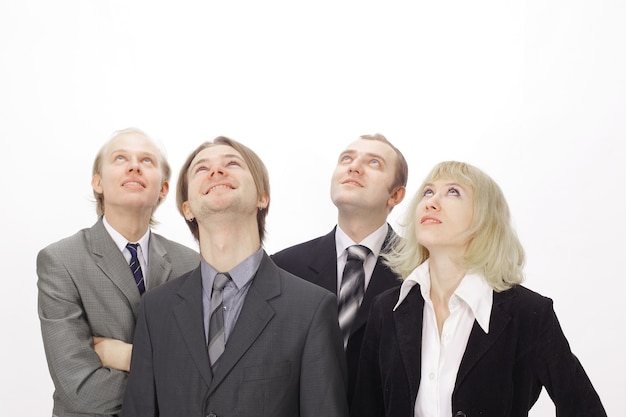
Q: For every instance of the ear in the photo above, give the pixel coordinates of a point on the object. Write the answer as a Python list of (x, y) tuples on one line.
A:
[(263, 201), (396, 197), (165, 188), (96, 183), (187, 211)]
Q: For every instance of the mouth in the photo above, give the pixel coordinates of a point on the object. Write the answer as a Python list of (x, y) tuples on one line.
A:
[(219, 187), (352, 182), (429, 220), (133, 184)]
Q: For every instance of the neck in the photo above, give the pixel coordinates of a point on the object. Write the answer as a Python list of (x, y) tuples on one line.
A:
[(359, 227), (225, 243), (130, 224), (445, 277)]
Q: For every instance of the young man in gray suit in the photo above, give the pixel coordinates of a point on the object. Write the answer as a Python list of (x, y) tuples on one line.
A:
[(238, 336), (368, 182), (89, 295)]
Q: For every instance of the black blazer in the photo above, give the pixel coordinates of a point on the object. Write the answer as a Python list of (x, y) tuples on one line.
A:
[(316, 261), (501, 373)]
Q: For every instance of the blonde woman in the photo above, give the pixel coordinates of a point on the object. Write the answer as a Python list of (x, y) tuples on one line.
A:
[(461, 337)]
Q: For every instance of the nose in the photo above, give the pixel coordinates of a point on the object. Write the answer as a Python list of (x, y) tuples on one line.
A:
[(216, 169), (355, 166), (431, 203), (134, 164)]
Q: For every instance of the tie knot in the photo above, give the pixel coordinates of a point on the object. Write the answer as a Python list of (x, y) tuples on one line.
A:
[(357, 252), (220, 281), (132, 247)]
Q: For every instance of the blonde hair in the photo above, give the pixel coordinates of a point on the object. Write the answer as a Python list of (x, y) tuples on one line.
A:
[(493, 248), (166, 170), (257, 169)]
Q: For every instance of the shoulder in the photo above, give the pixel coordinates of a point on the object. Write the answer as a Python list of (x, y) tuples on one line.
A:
[(521, 298), (386, 300), (172, 287), (66, 246)]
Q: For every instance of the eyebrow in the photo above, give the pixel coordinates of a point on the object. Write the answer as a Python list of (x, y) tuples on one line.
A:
[(223, 156), (123, 150), (353, 151)]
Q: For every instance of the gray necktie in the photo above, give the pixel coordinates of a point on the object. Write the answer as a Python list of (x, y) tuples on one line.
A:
[(352, 289), (217, 341)]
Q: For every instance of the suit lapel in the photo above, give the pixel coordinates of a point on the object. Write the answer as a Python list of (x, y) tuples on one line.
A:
[(323, 263), (479, 342), (189, 317), (408, 319), (254, 317), (113, 264), (159, 264)]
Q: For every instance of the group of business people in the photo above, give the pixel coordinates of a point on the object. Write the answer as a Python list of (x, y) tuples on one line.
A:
[(358, 322)]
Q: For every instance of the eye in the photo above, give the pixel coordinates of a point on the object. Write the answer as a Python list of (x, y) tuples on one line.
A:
[(200, 168), (427, 192), (345, 158), (233, 162), (120, 158), (454, 191), (375, 162), (147, 160)]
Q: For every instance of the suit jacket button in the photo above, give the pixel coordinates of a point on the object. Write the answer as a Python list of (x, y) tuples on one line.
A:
[(460, 414)]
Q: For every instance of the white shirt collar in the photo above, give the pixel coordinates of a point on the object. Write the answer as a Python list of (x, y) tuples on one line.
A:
[(473, 290), (121, 241), (374, 241)]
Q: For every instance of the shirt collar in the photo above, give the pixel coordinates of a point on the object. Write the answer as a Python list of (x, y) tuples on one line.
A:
[(121, 241), (240, 275), (374, 241), (473, 290)]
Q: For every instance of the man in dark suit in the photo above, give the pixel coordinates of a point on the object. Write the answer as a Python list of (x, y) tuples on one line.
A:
[(369, 180), (237, 336), (87, 292)]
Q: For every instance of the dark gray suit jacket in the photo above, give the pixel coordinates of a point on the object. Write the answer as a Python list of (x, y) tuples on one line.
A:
[(501, 373), (86, 289), (284, 357), (316, 262)]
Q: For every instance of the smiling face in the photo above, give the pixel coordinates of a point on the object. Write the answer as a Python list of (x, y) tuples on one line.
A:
[(130, 175), (444, 215), (219, 181), (364, 178)]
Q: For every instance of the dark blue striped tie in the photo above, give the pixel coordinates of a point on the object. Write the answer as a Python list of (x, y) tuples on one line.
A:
[(135, 267)]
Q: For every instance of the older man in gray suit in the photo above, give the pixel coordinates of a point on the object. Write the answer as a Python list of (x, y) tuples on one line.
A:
[(88, 294), (238, 336)]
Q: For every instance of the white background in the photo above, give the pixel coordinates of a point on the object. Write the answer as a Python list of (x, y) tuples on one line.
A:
[(533, 92)]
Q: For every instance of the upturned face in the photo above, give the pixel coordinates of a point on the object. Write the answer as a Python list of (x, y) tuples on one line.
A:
[(220, 181), (131, 174), (364, 176), (444, 216)]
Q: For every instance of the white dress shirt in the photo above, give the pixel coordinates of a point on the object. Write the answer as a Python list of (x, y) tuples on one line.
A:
[(374, 242), (442, 353), (142, 249)]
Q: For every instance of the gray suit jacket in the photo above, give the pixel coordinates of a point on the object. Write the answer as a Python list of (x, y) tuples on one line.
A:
[(284, 357), (86, 289)]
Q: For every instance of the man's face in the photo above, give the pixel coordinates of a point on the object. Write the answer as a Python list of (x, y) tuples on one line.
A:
[(364, 176), (220, 181), (131, 176)]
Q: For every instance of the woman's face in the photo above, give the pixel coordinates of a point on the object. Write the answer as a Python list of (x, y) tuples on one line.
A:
[(444, 216)]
